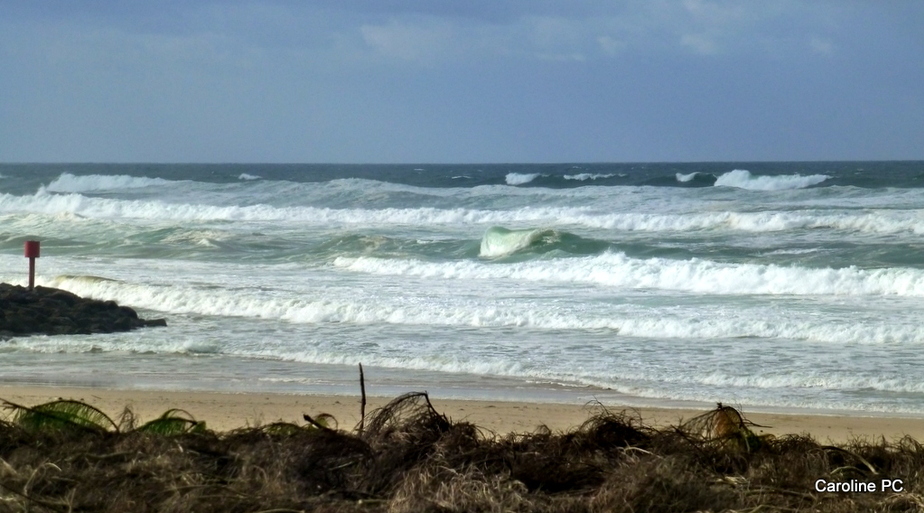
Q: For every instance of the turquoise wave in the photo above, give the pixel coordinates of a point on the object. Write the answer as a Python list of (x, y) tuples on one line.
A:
[(499, 243)]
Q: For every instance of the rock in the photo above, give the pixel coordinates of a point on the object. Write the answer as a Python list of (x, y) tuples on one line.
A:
[(48, 311)]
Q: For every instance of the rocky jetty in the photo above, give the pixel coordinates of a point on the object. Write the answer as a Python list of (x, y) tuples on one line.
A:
[(49, 311)]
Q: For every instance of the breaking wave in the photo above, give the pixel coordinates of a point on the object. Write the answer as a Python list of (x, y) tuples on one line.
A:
[(654, 323), (88, 183), (695, 275), (882, 221), (582, 177), (520, 178), (743, 179), (500, 242)]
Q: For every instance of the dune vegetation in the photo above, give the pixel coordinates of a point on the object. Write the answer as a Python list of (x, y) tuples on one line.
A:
[(68, 456)]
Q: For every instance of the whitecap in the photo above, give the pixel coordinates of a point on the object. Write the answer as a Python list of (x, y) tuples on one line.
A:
[(743, 179), (88, 183), (520, 178), (695, 275), (589, 176)]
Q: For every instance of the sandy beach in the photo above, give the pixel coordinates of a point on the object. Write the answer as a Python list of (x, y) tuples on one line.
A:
[(227, 411)]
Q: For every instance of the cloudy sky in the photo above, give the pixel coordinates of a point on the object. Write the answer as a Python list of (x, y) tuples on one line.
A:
[(428, 81)]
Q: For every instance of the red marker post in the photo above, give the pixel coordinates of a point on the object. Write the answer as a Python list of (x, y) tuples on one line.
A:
[(32, 252)]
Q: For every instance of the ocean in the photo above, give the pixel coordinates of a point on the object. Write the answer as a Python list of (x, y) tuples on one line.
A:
[(773, 286)]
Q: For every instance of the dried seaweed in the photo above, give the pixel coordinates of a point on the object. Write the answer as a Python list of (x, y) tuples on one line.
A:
[(411, 458)]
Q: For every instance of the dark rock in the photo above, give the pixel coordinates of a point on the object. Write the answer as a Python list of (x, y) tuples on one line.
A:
[(58, 312)]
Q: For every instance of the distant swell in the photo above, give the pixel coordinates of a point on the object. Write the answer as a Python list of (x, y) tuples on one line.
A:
[(88, 183), (743, 179)]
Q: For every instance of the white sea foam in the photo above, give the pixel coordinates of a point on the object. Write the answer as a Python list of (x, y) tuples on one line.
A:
[(687, 384), (583, 177), (694, 275), (520, 178), (884, 221), (246, 176), (867, 221), (743, 179), (687, 177), (641, 323), (816, 380), (749, 325), (121, 342), (54, 204), (180, 299), (774, 389), (88, 183)]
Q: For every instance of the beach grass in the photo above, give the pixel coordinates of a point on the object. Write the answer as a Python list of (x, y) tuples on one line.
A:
[(67, 456)]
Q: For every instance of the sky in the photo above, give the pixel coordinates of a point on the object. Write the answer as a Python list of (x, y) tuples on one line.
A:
[(461, 81)]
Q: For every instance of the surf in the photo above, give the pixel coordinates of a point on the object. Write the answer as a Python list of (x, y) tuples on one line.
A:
[(743, 179), (621, 272), (499, 242), (69, 183)]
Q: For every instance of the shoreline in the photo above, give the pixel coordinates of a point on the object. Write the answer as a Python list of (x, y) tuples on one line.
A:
[(225, 411)]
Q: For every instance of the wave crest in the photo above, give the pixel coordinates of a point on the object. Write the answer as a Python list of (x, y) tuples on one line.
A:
[(743, 179), (520, 178), (88, 183), (593, 176), (501, 242), (695, 275)]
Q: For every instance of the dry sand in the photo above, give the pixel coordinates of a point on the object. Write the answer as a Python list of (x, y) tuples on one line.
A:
[(226, 411)]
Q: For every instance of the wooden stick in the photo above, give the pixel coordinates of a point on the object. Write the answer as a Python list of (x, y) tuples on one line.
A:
[(362, 405)]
